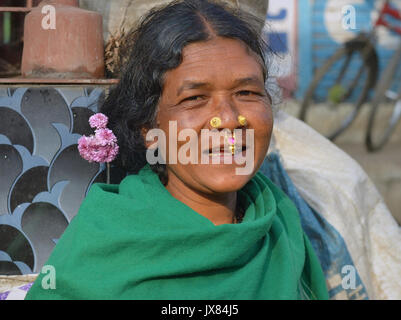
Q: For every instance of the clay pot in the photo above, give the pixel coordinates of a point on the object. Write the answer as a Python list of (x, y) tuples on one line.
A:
[(70, 48)]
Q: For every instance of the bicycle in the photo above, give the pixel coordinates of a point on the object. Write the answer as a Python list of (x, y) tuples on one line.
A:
[(357, 65)]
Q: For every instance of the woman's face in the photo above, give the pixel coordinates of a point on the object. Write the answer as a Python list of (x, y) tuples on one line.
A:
[(217, 78)]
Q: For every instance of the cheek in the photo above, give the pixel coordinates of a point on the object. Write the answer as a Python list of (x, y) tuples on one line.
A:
[(263, 121), (263, 126), (179, 129)]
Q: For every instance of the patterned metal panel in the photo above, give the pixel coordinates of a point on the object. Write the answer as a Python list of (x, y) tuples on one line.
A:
[(43, 179)]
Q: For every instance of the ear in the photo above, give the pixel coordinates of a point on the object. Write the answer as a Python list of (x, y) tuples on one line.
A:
[(153, 142), (144, 132)]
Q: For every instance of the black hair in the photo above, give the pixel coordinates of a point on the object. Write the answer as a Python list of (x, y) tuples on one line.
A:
[(155, 46)]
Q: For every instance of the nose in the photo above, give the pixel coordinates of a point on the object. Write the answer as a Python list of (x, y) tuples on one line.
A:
[(227, 114)]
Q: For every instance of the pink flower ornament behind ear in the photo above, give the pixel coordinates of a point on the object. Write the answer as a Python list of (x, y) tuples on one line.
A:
[(98, 121), (101, 147)]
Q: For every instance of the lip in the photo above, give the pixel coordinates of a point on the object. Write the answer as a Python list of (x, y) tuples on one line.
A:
[(226, 157), (225, 150)]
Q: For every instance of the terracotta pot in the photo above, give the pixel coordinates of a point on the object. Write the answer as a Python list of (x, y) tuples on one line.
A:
[(72, 47)]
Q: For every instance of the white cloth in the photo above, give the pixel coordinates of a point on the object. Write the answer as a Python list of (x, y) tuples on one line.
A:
[(335, 185)]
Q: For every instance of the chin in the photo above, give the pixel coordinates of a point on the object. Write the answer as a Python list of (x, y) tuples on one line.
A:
[(223, 181)]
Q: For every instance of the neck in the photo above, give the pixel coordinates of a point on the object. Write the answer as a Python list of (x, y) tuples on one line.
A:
[(218, 208)]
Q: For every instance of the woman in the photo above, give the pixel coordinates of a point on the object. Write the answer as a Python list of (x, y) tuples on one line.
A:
[(179, 229)]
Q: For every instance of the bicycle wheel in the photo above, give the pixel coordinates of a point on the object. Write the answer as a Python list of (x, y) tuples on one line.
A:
[(340, 87), (388, 97)]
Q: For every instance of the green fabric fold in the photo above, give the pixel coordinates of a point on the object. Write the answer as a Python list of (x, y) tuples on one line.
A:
[(135, 241)]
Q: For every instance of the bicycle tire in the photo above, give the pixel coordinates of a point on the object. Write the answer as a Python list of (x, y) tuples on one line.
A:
[(385, 82), (370, 63)]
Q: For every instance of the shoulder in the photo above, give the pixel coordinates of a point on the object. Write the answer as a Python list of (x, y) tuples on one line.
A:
[(283, 202), (287, 215)]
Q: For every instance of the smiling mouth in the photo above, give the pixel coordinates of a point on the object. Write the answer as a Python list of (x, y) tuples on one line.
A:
[(221, 151)]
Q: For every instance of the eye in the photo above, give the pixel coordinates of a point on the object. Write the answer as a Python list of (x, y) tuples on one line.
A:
[(247, 93), (193, 98)]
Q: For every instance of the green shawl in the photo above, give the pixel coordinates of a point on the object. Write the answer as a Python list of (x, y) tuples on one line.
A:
[(136, 241)]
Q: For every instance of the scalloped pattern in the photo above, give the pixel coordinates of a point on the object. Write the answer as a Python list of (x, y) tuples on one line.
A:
[(43, 179)]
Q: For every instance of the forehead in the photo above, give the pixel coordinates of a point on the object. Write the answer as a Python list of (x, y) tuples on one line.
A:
[(217, 58)]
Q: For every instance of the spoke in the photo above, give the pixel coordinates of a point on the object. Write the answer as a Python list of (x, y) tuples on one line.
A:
[(344, 68), (353, 84)]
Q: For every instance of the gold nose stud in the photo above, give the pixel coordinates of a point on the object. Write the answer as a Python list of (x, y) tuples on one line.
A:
[(242, 120), (215, 122)]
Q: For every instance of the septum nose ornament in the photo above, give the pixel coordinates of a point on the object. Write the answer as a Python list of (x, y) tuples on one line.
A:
[(231, 142)]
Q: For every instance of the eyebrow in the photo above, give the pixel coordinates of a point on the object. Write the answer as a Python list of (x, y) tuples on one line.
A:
[(252, 80), (188, 85)]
